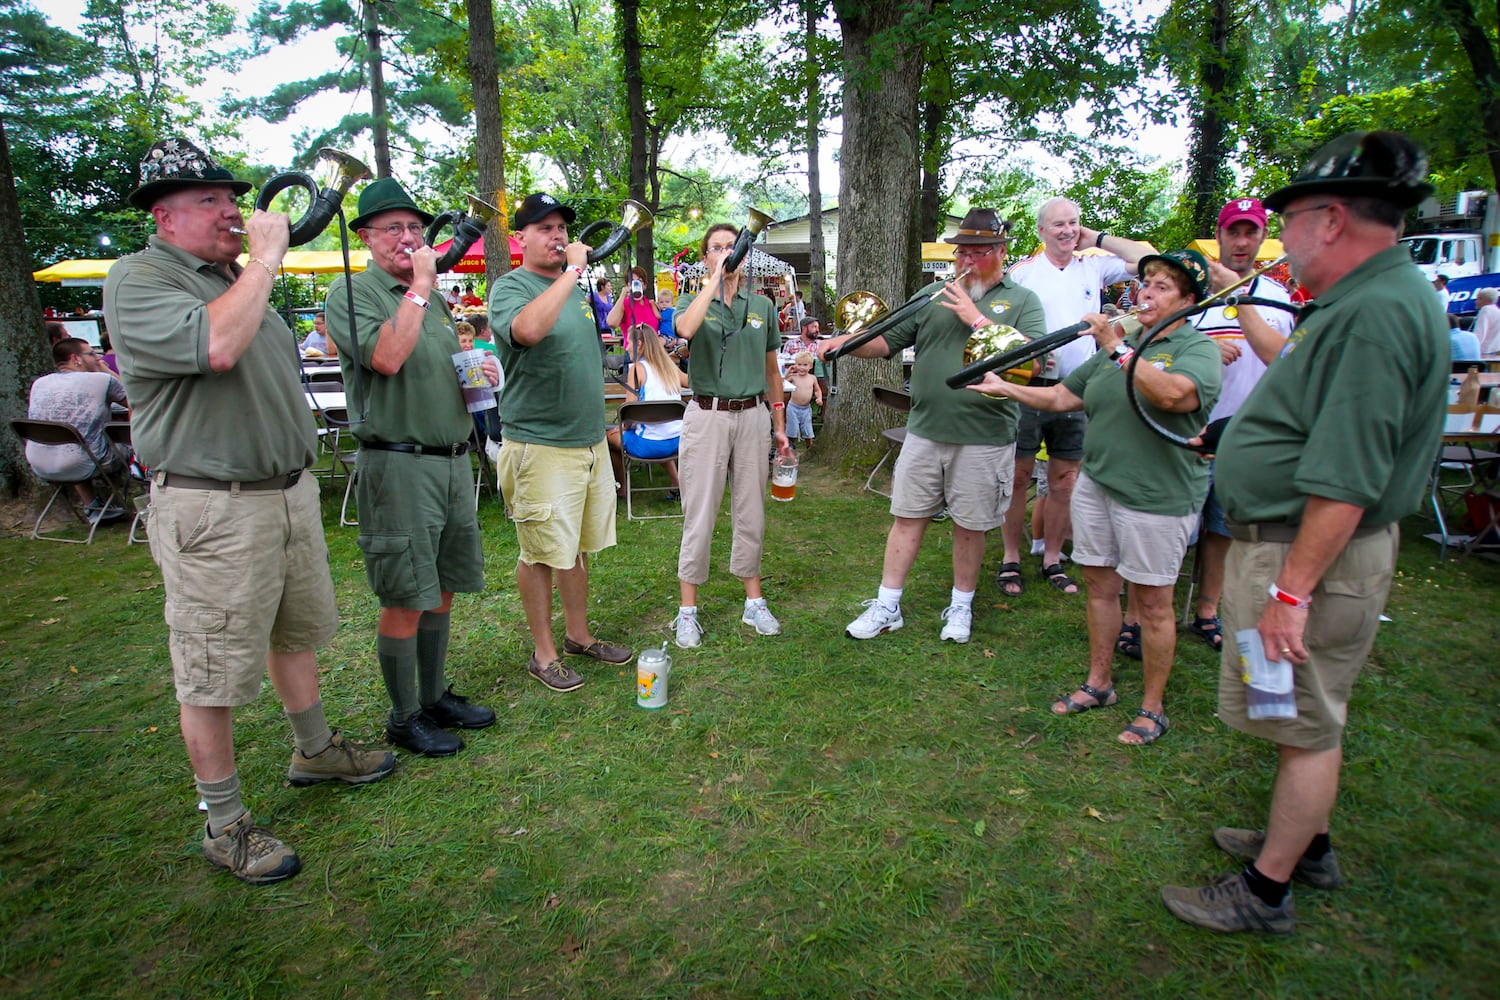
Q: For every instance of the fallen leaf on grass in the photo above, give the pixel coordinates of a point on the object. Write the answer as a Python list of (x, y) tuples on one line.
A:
[(50, 621), (979, 829), (58, 598), (1016, 791), (1010, 730), (1093, 813), (1027, 741), (989, 654), (551, 902), (518, 831), (714, 754), (571, 948), (72, 669)]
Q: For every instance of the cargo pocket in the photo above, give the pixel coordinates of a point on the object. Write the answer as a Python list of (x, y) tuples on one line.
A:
[(200, 647), (535, 513), (389, 566), (1347, 610)]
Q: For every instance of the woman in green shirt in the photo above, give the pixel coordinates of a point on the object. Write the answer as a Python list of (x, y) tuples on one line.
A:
[(1138, 497)]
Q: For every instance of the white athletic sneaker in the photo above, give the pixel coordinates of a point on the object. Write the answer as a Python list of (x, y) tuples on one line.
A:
[(689, 632), (757, 614), (875, 620), (957, 622)]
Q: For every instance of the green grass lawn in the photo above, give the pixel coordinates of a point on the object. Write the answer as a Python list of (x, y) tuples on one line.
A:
[(809, 817)]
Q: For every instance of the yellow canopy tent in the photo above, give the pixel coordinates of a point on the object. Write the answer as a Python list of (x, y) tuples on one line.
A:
[(75, 272), (93, 271), (1269, 250)]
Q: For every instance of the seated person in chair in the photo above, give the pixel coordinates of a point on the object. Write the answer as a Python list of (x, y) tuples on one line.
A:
[(651, 376), (78, 393)]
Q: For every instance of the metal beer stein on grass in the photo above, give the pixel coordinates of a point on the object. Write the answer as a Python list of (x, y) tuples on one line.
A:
[(651, 669)]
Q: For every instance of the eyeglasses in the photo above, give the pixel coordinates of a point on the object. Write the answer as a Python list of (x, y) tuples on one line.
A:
[(1287, 217), (974, 254), (720, 249), (396, 229)]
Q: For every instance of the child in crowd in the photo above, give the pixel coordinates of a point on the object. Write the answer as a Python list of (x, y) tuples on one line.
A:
[(465, 335), (805, 392)]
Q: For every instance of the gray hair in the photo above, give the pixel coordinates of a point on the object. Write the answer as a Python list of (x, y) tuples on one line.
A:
[(1486, 296)]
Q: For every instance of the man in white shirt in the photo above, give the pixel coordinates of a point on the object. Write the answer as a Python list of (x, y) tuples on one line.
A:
[(1248, 339), (1069, 285), (1487, 322)]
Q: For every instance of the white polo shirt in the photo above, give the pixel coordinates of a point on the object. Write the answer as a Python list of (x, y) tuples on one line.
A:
[(1068, 294)]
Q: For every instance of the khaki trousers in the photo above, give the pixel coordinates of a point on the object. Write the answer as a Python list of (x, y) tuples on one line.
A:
[(715, 442)]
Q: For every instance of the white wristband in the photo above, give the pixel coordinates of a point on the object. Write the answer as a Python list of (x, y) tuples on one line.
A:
[(414, 297)]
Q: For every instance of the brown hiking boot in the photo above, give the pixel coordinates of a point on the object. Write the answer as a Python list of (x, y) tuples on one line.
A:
[(251, 853), (1320, 874), (340, 761)]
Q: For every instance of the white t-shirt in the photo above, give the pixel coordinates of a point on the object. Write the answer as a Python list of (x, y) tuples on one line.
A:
[(1068, 294), (1241, 374), (81, 399)]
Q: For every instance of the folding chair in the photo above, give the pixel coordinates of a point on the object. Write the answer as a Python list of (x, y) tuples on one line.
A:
[(56, 432), (895, 437), (137, 490), (647, 413), (1466, 427)]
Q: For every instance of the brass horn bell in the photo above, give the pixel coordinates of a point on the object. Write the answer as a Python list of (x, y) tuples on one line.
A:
[(633, 218), (858, 309), (340, 169), (988, 341)]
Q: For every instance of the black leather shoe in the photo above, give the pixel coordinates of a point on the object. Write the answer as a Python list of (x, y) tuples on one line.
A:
[(419, 734), (454, 711)]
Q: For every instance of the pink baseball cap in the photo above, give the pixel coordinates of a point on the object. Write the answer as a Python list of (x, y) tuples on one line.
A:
[(1237, 209)]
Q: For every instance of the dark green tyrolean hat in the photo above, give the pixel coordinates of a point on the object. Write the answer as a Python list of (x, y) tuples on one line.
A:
[(1383, 165), (1189, 262), (385, 195)]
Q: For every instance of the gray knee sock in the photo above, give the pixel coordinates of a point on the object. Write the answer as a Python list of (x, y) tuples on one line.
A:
[(223, 799), (310, 729), (398, 666), (432, 654)]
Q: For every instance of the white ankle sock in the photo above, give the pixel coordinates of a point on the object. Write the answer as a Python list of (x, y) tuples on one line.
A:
[(889, 598)]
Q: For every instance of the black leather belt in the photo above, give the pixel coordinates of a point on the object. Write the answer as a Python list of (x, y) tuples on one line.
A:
[(732, 405), (275, 483), (446, 450), (1038, 380), (1278, 531)]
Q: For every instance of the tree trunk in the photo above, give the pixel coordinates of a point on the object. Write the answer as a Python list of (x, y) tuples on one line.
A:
[(489, 135), (23, 348), (818, 305), (1464, 21), (635, 104), (382, 122), (1207, 157), (934, 150), (878, 191)]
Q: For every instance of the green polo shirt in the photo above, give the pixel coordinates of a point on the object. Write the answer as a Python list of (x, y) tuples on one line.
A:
[(421, 403), (1353, 408), (1129, 461), (251, 422), (959, 416), (554, 389), (728, 355)]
